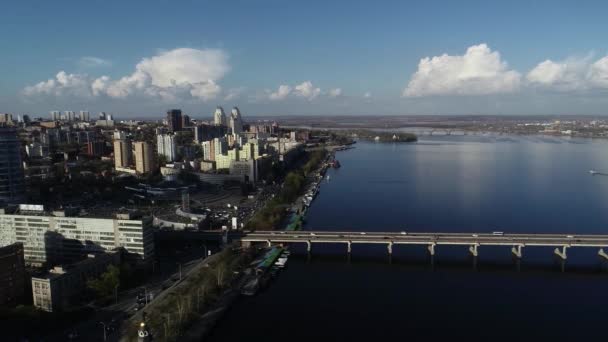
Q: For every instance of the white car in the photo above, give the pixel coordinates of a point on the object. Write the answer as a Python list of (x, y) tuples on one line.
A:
[(362, 233), (312, 234), (403, 233)]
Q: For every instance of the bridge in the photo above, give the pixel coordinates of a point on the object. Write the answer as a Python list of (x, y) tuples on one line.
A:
[(473, 241)]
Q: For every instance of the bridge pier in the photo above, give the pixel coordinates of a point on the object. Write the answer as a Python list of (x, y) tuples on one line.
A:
[(562, 253), (473, 250), (308, 246), (602, 254), (269, 243), (390, 248), (516, 250), (349, 247), (431, 249)]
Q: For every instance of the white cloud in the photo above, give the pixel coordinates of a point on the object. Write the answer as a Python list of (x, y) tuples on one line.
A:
[(367, 95), (479, 71), (282, 92), (171, 75), (307, 90), (336, 92), (573, 74), (91, 62), (63, 84)]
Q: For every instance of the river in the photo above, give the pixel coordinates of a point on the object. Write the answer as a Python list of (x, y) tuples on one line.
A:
[(448, 184)]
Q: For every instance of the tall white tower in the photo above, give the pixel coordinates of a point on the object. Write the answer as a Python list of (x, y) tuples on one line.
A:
[(219, 117), (236, 122)]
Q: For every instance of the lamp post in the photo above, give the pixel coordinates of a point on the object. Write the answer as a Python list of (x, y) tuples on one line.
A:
[(104, 330), (145, 293), (116, 293)]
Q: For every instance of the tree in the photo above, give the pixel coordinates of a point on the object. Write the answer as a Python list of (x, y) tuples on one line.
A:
[(106, 284)]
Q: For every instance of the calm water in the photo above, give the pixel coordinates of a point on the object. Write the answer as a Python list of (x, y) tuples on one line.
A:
[(464, 184)]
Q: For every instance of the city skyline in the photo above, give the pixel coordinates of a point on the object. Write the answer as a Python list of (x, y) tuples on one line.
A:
[(307, 59)]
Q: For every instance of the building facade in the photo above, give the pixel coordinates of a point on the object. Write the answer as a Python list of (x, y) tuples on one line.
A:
[(174, 120), (49, 239), (12, 182), (54, 291), (12, 274), (166, 146), (144, 157)]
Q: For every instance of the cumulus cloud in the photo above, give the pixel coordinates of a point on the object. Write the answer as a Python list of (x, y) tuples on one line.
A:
[(282, 92), (335, 92), (479, 71), (307, 90), (304, 90), (573, 74), (176, 74), (61, 85)]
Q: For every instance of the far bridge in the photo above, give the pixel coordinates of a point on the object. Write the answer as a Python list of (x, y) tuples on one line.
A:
[(432, 241)]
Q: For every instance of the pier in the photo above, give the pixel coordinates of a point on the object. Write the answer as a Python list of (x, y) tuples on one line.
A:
[(473, 241)]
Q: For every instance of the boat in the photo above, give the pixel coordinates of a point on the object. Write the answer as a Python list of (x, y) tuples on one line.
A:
[(593, 172)]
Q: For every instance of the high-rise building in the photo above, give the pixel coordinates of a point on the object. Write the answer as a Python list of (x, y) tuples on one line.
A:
[(70, 115), (122, 152), (186, 121), (221, 146), (95, 148), (166, 146), (84, 115), (219, 117), (12, 183), (12, 274), (6, 118), (144, 157), (208, 150), (236, 122), (56, 115), (206, 132), (174, 120)]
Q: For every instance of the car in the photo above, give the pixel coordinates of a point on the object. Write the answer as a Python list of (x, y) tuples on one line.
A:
[(475, 235), (363, 233), (312, 234), (498, 233), (403, 233), (570, 236)]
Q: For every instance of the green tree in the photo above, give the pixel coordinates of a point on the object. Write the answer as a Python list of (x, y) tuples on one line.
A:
[(105, 285)]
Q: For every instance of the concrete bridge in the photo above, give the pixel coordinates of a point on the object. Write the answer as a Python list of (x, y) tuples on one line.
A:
[(473, 241)]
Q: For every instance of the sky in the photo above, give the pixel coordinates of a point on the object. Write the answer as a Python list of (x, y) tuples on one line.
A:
[(140, 58)]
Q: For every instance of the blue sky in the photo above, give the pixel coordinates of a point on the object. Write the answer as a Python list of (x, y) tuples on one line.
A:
[(138, 58)]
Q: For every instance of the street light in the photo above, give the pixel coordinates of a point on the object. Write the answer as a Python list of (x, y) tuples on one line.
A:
[(145, 293), (116, 293), (104, 330), (180, 270), (206, 251)]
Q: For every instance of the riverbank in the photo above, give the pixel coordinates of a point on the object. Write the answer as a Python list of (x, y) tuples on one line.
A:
[(272, 216), (204, 293)]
